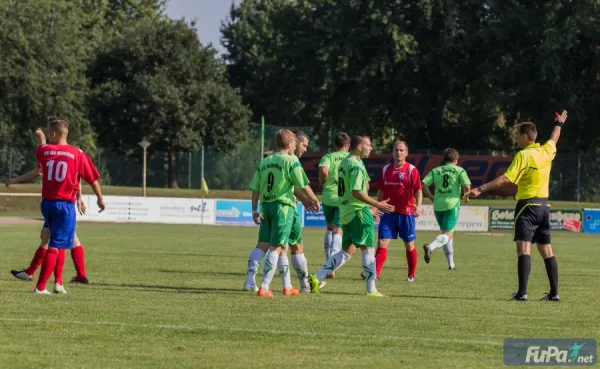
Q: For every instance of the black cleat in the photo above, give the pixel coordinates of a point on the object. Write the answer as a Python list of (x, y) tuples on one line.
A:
[(20, 274), (516, 297), (75, 280), (427, 253), (551, 298)]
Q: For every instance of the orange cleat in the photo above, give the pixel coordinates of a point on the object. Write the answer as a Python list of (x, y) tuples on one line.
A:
[(291, 292), (264, 293), (331, 276)]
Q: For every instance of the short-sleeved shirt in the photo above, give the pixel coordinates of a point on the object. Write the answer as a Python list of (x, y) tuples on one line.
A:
[(330, 187), (276, 177), (448, 179), (63, 167), (352, 176), (399, 185), (530, 170)]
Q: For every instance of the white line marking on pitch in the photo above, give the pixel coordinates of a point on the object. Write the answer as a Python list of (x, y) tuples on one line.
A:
[(249, 330)]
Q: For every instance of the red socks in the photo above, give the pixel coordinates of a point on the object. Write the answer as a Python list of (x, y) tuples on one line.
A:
[(37, 260), (60, 266), (411, 260), (380, 256), (78, 260), (47, 267)]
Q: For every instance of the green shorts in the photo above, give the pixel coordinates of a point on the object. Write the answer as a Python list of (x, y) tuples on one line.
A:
[(277, 223), (296, 232), (332, 215), (360, 231), (447, 219)]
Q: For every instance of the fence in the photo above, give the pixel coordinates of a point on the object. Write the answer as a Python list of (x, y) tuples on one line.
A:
[(574, 176)]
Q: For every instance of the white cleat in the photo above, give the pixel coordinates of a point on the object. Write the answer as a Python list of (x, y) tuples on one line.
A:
[(250, 287), (59, 289), (411, 279), (305, 290), (44, 292), (323, 283)]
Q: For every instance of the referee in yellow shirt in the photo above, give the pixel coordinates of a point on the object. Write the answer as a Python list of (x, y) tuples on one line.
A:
[(530, 171)]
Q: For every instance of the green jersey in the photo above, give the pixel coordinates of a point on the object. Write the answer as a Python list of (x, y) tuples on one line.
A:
[(330, 187), (352, 176), (276, 177), (448, 180)]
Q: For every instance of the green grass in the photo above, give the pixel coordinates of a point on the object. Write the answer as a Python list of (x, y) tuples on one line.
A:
[(30, 204), (166, 296)]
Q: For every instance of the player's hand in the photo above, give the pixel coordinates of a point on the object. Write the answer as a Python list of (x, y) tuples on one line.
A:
[(41, 136), (101, 205), (376, 213), (472, 194), (385, 207), (310, 206), (257, 217), (562, 117), (317, 206), (81, 207), (418, 211), (9, 182)]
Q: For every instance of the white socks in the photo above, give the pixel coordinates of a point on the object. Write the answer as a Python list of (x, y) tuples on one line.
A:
[(269, 269), (334, 263), (284, 270), (368, 264), (336, 244), (439, 241), (254, 260), (449, 251), (327, 244), (301, 266)]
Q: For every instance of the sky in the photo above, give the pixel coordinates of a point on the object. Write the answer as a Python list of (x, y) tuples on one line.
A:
[(208, 15)]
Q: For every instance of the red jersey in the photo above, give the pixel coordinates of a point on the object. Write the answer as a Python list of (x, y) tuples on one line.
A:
[(63, 166), (399, 185)]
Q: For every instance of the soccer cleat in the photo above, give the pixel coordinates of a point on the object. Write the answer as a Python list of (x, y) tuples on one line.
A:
[(375, 294), (331, 276), (314, 283), (411, 279), (59, 289), (20, 274), (551, 298), (291, 292), (452, 268), (44, 292), (76, 280), (321, 285), (250, 287), (516, 297), (427, 251), (264, 293), (305, 290)]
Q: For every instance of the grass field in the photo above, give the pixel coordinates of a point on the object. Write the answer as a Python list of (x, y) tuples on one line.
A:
[(168, 296)]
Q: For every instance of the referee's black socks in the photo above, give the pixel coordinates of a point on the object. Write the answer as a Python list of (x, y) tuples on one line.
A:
[(552, 271), (524, 268)]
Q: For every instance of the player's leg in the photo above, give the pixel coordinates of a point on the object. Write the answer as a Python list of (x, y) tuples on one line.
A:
[(524, 232), (336, 238), (543, 239), (328, 212), (407, 231), (388, 229), (440, 240), (256, 256), (78, 257), (280, 219), (450, 222), (299, 262), (28, 273), (283, 264)]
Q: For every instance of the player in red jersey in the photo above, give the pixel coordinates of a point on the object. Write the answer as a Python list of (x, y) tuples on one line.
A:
[(401, 183), (63, 167)]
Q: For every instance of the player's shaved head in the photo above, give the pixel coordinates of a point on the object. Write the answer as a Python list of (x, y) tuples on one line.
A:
[(341, 140), (58, 125), (283, 139), (357, 139), (300, 135), (528, 129), (450, 155)]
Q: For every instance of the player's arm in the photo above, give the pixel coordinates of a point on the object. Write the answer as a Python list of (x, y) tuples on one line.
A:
[(427, 181), (427, 192), (89, 173), (256, 215), (300, 180), (40, 136), (513, 174), (305, 200), (419, 202), (356, 180), (559, 121), (323, 172), (27, 177)]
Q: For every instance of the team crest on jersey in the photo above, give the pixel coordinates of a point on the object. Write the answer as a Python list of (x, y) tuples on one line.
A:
[(402, 175)]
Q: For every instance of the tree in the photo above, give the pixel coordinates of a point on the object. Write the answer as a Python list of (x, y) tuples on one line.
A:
[(156, 81)]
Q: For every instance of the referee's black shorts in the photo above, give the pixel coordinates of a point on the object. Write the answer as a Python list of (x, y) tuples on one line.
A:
[(532, 221)]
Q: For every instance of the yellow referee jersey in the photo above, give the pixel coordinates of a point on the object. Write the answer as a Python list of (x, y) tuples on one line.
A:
[(530, 170)]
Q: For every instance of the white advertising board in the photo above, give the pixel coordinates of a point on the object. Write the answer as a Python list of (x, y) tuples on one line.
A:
[(126, 209), (470, 219)]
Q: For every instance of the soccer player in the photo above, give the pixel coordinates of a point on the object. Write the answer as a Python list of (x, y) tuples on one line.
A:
[(273, 184), (328, 172), (63, 166), (77, 253), (401, 183), (530, 171), (449, 180), (356, 216)]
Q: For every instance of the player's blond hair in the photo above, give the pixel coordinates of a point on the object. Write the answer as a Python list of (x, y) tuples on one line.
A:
[(283, 138), (58, 125), (398, 142)]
